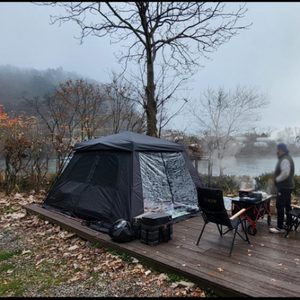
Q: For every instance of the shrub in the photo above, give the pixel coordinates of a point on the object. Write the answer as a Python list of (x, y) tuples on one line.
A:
[(265, 182), (297, 185)]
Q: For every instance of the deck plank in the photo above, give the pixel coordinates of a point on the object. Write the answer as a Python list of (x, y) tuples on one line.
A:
[(267, 267)]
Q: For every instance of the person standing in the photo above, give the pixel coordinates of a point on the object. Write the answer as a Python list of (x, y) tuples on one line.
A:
[(284, 182)]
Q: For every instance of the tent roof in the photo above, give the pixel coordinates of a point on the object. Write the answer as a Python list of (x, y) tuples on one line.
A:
[(129, 141)]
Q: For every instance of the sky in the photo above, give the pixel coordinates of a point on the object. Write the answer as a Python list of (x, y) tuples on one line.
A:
[(266, 56)]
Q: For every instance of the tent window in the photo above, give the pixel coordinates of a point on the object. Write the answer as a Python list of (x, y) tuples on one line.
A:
[(106, 173), (82, 168), (166, 181)]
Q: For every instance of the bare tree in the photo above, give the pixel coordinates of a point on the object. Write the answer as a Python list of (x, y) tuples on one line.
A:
[(166, 97), (290, 135), (297, 136), (222, 115), (176, 33), (264, 131), (74, 110), (122, 100), (86, 101), (59, 119)]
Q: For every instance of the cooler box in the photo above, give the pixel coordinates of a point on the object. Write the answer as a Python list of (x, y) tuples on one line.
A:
[(137, 224), (156, 228)]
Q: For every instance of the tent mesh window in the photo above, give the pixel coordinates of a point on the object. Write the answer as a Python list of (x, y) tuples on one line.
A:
[(82, 168), (106, 173), (96, 169), (166, 182)]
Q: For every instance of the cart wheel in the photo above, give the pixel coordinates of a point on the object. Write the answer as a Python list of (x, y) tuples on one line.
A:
[(250, 231), (269, 220)]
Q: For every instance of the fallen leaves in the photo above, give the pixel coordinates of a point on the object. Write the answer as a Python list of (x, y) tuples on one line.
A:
[(50, 249), (18, 215), (25, 251), (73, 248), (75, 278), (40, 261)]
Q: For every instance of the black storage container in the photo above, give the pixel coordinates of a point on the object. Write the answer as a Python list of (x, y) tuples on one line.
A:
[(248, 200), (156, 219), (245, 193), (156, 228), (250, 194), (137, 223)]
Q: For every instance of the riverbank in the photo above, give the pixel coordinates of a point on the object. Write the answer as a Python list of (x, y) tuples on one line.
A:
[(268, 151)]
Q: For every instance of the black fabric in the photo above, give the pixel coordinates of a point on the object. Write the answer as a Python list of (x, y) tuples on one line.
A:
[(106, 172), (93, 187), (102, 182), (154, 235), (81, 170), (156, 219), (129, 141), (294, 216), (288, 183), (283, 201), (121, 231), (211, 204), (99, 226)]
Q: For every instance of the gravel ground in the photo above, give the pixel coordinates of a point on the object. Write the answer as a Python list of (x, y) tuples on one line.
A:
[(40, 259)]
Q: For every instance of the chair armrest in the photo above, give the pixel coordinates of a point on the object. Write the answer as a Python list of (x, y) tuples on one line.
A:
[(295, 206), (237, 214)]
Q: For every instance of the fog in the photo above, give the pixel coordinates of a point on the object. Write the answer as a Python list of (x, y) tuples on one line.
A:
[(266, 55)]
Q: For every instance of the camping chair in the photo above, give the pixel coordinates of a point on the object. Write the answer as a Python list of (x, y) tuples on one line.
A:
[(211, 206), (294, 214)]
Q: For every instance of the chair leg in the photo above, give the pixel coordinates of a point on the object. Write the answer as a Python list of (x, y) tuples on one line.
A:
[(245, 230), (293, 222), (201, 234), (235, 231), (220, 229)]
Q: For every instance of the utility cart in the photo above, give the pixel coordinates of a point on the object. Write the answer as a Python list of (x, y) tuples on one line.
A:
[(257, 206)]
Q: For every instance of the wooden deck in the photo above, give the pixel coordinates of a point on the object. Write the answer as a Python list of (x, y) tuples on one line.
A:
[(268, 267)]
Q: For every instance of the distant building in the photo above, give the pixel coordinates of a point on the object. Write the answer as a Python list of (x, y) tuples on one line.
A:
[(260, 144)]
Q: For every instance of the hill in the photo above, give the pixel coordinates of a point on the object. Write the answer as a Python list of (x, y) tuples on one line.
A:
[(17, 83)]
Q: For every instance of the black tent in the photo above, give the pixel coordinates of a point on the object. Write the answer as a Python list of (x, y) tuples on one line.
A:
[(124, 175)]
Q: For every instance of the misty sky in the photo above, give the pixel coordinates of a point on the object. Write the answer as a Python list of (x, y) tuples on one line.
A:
[(266, 56)]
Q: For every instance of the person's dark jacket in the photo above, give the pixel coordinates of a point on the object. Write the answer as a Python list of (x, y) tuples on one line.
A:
[(288, 182)]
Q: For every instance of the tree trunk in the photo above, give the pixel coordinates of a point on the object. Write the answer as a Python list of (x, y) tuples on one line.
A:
[(209, 175), (151, 108)]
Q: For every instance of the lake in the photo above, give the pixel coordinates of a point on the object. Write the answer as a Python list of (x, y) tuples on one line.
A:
[(252, 166)]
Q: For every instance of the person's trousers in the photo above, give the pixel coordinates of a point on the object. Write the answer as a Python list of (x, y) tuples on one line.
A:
[(283, 201)]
